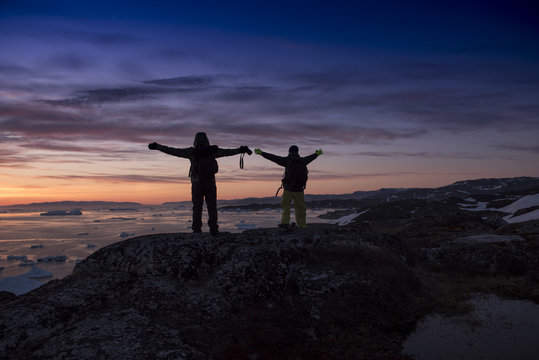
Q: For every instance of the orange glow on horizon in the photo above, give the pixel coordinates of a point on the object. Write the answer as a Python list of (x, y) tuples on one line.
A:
[(155, 193)]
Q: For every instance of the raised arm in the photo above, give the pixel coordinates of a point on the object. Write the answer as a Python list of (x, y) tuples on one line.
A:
[(231, 152), (279, 160), (307, 159), (183, 153)]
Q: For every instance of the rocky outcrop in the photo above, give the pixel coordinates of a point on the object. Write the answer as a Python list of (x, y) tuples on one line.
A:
[(321, 293), (424, 223), (486, 254), (325, 292)]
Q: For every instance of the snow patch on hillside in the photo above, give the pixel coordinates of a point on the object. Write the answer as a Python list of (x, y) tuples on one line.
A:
[(524, 202)]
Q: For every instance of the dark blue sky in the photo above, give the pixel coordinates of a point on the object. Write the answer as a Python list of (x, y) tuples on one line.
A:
[(453, 26), (399, 93)]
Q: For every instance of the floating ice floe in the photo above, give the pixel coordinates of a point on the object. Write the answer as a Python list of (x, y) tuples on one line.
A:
[(245, 226), (16, 257), (61, 213), (82, 234), (38, 273), (27, 263), (126, 234), (89, 246), (24, 283), (237, 210), (36, 246), (56, 258)]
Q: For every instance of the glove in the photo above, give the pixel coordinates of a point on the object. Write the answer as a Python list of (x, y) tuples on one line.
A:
[(152, 146), (245, 149), (319, 152), (258, 151)]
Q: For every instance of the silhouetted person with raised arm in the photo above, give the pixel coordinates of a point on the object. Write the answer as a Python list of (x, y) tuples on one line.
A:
[(202, 172), (293, 183)]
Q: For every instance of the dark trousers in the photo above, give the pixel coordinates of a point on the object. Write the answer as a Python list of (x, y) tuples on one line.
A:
[(199, 192)]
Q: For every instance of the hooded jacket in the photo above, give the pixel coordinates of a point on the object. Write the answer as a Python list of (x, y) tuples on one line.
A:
[(201, 147), (284, 161)]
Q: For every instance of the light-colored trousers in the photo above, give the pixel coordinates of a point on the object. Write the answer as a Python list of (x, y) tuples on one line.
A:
[(299, 207)]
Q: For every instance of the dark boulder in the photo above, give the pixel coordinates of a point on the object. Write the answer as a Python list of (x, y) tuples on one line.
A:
[(322, 293)]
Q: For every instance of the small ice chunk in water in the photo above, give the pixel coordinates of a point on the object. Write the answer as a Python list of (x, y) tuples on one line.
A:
[(16, 257), (24, 283), (27, 263), (52, 258), (37, 273), (245, 226)]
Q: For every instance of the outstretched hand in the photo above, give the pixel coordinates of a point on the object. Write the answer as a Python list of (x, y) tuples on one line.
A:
[(152, 146), (319, 152), (258, 151)]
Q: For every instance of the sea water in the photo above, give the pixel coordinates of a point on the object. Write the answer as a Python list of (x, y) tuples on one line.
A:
[(497, 329), (28, 237)]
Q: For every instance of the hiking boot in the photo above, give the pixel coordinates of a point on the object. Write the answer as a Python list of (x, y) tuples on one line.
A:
[(214, 232), (287, 227), (197, 231)]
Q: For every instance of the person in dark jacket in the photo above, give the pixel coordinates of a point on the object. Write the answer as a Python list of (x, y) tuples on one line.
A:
[(293, 189), (202, 171)]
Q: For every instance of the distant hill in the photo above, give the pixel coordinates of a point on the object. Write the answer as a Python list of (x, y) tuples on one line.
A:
[(70, 205), (459, 189)]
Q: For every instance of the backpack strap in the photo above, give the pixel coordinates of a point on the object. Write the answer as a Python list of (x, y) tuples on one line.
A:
[(279, 189)]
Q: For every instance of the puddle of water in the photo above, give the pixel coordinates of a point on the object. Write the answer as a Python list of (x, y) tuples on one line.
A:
[(496, 329)]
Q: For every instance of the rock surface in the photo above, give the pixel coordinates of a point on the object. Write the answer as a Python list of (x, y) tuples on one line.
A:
[(326, 292), (323, 293)]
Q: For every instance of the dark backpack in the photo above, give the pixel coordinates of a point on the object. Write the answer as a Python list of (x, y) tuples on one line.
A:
[(296, 174), (203, 167)]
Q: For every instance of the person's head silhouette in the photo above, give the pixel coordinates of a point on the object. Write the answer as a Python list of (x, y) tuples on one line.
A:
[(201, 140)]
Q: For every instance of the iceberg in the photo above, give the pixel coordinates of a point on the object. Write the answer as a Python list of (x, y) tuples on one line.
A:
[(16, 257), (61, 213), (245, 226), (56, 258), (24, 283), (27, 263)]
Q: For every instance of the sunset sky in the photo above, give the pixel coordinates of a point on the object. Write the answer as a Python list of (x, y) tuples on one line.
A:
[(396, 93)]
